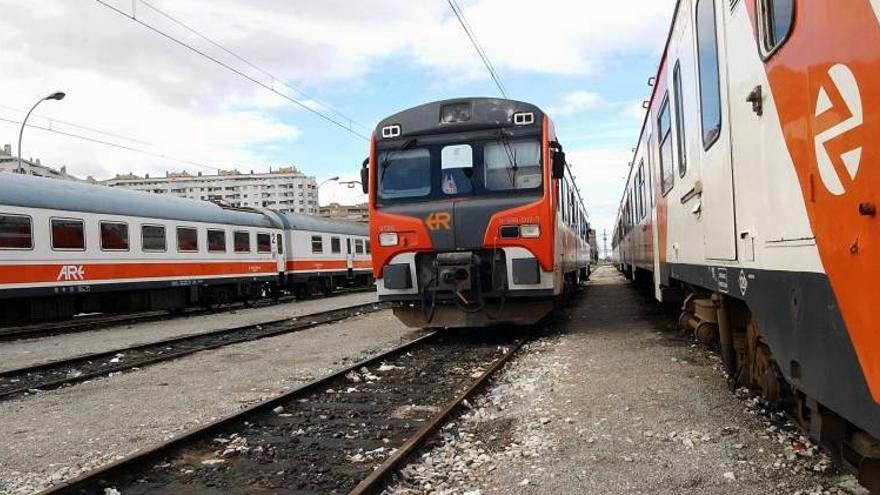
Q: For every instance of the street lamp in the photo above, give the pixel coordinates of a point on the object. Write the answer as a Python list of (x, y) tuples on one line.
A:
[(318, 190), (58, 95), (350, 183)]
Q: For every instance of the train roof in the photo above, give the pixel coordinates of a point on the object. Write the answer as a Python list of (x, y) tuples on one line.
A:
[(55, 194), (484, 113), (298, 221)]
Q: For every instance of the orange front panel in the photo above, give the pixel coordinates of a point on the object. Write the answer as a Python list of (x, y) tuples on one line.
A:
[(73, 272)]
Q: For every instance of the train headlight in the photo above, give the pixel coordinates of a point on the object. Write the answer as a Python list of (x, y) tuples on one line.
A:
[(388, 239), (530, 231)]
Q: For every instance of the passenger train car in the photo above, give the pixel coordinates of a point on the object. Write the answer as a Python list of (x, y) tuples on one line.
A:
[(474, 215), (69, 248), (753, 194)]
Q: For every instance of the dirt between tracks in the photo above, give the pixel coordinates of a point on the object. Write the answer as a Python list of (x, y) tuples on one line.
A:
[(619, 402)]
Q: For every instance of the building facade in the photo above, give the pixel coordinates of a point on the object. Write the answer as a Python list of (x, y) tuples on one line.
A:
[(354, 213), (285, 189), (30, 166)]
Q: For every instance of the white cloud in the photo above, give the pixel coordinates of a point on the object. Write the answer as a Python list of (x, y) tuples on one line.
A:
[(576, 101)]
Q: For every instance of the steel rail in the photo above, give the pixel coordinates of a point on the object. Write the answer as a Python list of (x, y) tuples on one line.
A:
[(298, 323)]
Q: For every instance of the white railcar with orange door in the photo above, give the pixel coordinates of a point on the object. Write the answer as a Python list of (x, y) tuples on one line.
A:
[(753, 193)]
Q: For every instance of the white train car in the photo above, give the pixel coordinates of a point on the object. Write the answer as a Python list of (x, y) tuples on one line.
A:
[(68, 248)]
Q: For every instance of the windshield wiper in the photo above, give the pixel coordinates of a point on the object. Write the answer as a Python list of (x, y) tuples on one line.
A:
[(513, 166)]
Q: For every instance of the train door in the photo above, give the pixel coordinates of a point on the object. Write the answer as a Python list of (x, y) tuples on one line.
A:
[(349, 255), (717, 202), (278, 249)]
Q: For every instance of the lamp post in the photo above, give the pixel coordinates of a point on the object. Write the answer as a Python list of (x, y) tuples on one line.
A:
[(350, 183), (58, 95), (318, 189)]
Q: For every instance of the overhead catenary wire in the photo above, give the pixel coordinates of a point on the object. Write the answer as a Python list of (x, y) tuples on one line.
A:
[(230, 68), (53, 120), (252, 65), (114, 145), (462, 20)]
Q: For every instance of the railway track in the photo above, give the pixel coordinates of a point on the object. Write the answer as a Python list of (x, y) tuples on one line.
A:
[(33, 379), (97, 322), (345, 433)]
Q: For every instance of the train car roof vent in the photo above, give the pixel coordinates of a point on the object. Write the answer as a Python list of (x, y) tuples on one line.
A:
[(391, 131), (523, 118)]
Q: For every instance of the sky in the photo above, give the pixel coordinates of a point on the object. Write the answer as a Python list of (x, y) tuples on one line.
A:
[(586, 62)]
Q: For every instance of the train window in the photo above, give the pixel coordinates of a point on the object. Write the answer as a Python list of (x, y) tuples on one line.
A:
[(68, 234), (217, 241), (457, 165), (187, 239), (335, 245), (242, 241), (264, 243), (650, 148), (16, 232), (710, 84), (280, 243), (114, 236), (405, 174), (775, 20), (367, 247), (317, 244), (679, 119), (641, 190), (153, 237), (667, 175), (512, 165), (359, 246)]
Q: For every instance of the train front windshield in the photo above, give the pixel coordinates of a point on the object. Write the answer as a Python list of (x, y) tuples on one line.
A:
[(477, 168)]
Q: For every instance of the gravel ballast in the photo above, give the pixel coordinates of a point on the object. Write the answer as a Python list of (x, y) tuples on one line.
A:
[(59, 434), (29, 352), (619, 401)]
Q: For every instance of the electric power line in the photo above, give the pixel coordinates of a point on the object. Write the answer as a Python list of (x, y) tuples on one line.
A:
[(234, 70), (112, 144), (479, 48), (52, 120), (251, 64)]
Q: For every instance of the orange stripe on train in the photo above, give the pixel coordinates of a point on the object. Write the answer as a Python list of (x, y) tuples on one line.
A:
[(43, 273)]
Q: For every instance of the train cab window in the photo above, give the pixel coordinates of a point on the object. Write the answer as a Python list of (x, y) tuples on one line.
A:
[(242, 241), (264, 243), (457, 168), (153, 238), (359, 246), (405, 174), (667, 176), (16, 232), (775, 20), (114, 236), (217, 241), (512, 165), (710, 84), (280, 242), (68, 234), (317, 244), (335, 245), (679, 119), (187, 239)]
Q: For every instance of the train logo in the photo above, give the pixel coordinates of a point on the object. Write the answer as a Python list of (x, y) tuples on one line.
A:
[(72, 272), (838, 113), (439, 220)]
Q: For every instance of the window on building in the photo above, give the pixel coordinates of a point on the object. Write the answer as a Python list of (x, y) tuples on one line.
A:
[(680, 141), (317, 244), (665, 136), (114, 236), (359, 246), (16, 232), (242, 241), (68, 234), (776, 18), (217, 241), (187, 239), (153, 237), (710, 85), (335, 245), (264, 243)]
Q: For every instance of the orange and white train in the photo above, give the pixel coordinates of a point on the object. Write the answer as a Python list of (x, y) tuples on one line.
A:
[(753, 196), (69, 248)]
